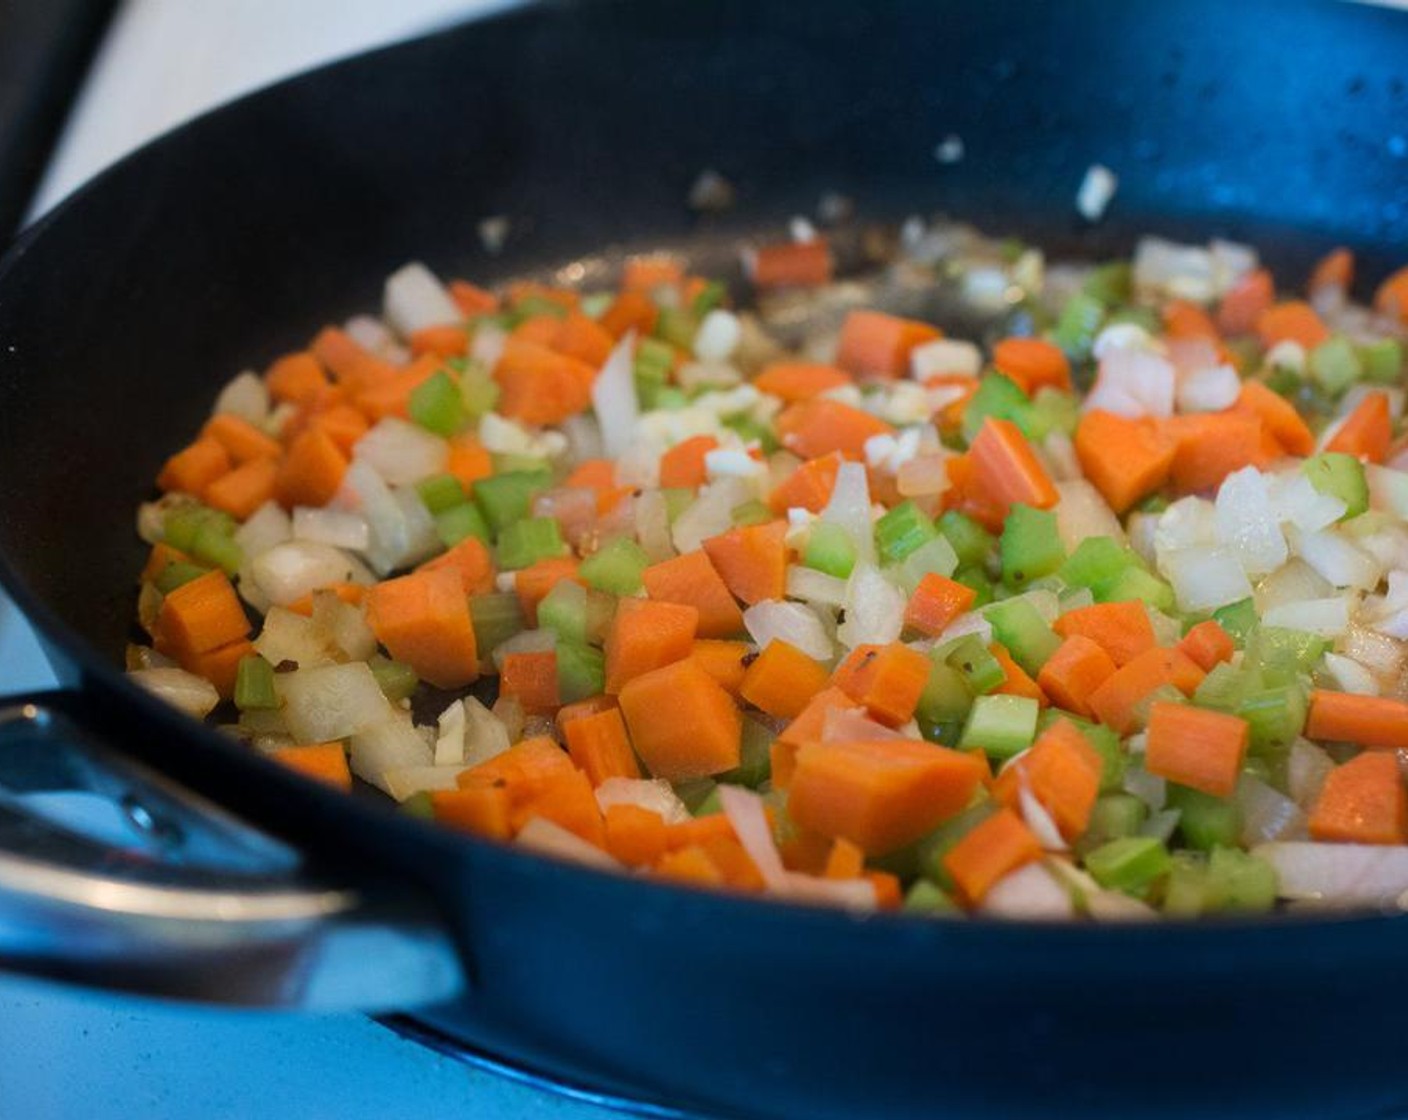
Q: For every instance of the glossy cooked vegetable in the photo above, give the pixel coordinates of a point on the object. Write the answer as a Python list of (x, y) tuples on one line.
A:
[(1105, 618)]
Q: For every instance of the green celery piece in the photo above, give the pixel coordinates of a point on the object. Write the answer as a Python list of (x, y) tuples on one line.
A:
[(1334, 364), (653, 352), (709, 804), (677, 326), (651, 382), (677, 500), (532, 306), (1054, 411), (751, 512), (1076, 327), (175, 574), (976, 578), (980, 670), (508, 462), (616, 567), (1276, 716), (1111, 283), (581, 671), (830, 550), (254, 685), (1136, 583), (419, 805), (396, 679), (946, 697), (1240, 881), (440, 492), (1097, 563), (215, 544), (670, 398), (1030, 545), (750, 429), (926, 898), (1000, 398), (1186, 892), (901, 531), (695, 792), (971, 542), (1382, 361), (437, 406), (1018, 626), (1222, 689), (710, 296), (1340, 476), (928, 851), (1144, 317), (1116, 815), (564, 611), (755, 756), (497, 616), (180, 525), (526, 542), (1154, 503), (596, 304), (479, 392), (934, 555), (1284, 381), (1205, 821), (507, 497), (1239, 619), (461, 521), (1280, 647), (1130, 864), (1003, 726)]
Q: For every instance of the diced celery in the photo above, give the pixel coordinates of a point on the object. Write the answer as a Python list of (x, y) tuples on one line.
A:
[(752, 430), (974, 662), (1116, 815), (616, 567), (1273, 648), (830, 550), (1240, 881), (581, 671), (180, 525), (1340, 476), (934, 555), (946, 697), (595, 304), (526, 542), (670, 398), (1186, 889), (1144, 317), (254, 685), (926, 898), (976, 578), (461, 521), (928, 851), (497, 617), (1019, 627), (1130, 864), (971, 542), (532, 306), (677, 326), (1275, 716), (1078, 324), (1001, 725), (175, 574), (1222, 689), (1205, 821), (695, 792), (1334, 365), (707, 805), (508, 462), (1054, 411), (508, 497), (1030, 545), (437, 406), (479, 392), (752, 512), (902, 530), (677, 500), (755, 756), (710, 296), (1000, 398), (1382, 361), (215, 544), (1136, 583), (1239, 619), (396, 679), (440, 492), (1111, 283), (564, 611), (1097, 563)]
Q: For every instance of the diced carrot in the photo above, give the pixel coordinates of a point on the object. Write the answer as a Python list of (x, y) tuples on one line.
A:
[(1334, 270), (1077, 668), (644, 635), (193, 469), (343, 423), (472, 299), (1362, 802), (352, 593), (297, 377), (349, 362), (598, 475), (936, 602), (1116, 703), (851, 674), (568, 801), (725, 661), (799, 381), (483, 810), (950, 417), (632, 311), (1208, 644), (1185, 319), (532, 584), (525, 769), (1366, 432), (691, 866), (1212, 445), (1278, 416), (1033, 363), (793, 264), (391, 395), (810, 723), (808, 487), (692, 580), (887, 679), (541, 330), (161, 557), (990, 850), (805, 851), (1006, 471), (326, 762), (820, 426), (647, 273), (1292, 321), (220, 666), (541, 386), (1392, 297), (531, 679), (699, 830), (1245, 302), (1124, 459), (888, 893), (471, 560), (599, 746), (1196, 747), (468, 461), (423, 619), (583, 338), (579, 709), (752, 560), (845, 861), (782, 679), (241, 439), (311, 471), (521, 291), (1016, 681), (874, 344), (682, 466), (1062, 771), (1368, 721), (244, 489), (201, 615), (634, 835), (879, 794), (1122, 629), (445, 340), (682, 722), (734, 863)]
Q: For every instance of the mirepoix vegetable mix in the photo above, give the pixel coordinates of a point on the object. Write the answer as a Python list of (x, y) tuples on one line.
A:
[(1101, 615)]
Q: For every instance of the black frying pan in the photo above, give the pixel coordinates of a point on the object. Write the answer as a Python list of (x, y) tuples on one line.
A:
[(231, 240)]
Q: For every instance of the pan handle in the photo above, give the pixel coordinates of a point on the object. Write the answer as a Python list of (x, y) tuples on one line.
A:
[(113, 876)]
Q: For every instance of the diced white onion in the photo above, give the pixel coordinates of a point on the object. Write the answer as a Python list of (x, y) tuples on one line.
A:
[(849, 508), (338, 528), (414, 299), (1342, 874), (287, 572), (485, 734), (874, 609), (746, 814), (289, 637), (652, 524), (1133, 383), (710, 514), (1205, 578), (774, 620), (402, 782), (449, 740), (1307, 767), (1246, 523), (391, 743), (1031, 892), (1149, 788), (614, 397), (343, 626), (332, 702), (1181, 271), (402, 452), (541, 835), (654, 794), (1161, 825), (1209, 390), (487, 346), (1381, 655), (267, 526), (193, 695), (1327, 617), (814, 586), (945, 357), (1082, 512), (1267, 813), (1296, 500), (1040, 821), (1337, 559), (1350, 676), (718, 336), (525, 641), (245, 396)]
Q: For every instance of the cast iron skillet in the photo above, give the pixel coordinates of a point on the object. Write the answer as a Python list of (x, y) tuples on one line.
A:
[(231, 240)]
